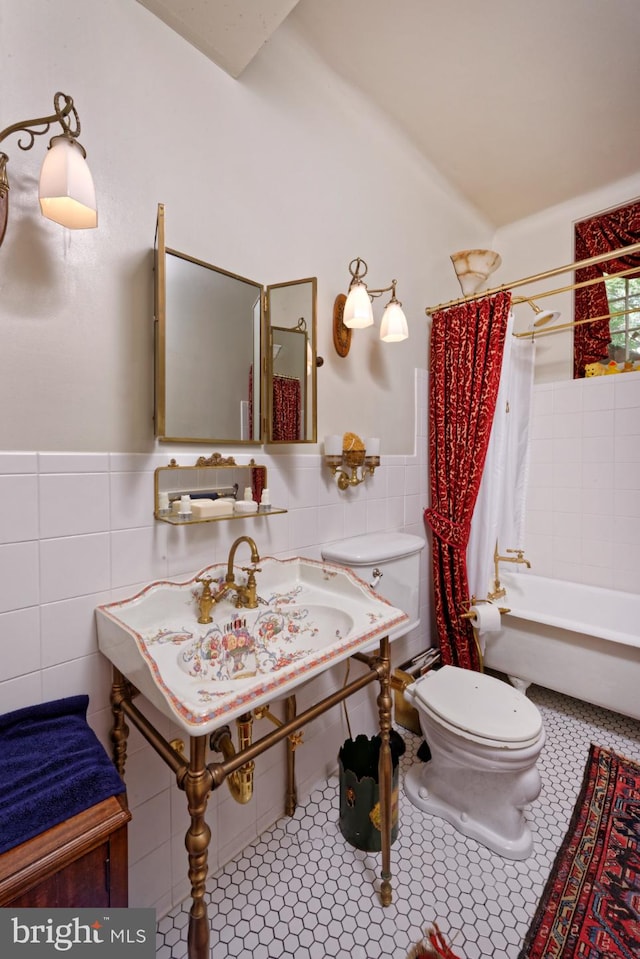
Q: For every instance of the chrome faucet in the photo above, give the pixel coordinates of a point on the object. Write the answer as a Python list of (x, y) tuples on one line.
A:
[(518, 557)]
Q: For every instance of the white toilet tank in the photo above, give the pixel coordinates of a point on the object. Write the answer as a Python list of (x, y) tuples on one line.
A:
[(389, 562)]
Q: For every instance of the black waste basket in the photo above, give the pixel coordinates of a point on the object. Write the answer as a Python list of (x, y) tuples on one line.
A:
[(360, 793)]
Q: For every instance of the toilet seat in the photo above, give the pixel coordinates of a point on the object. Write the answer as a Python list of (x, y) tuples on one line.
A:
[(479, 707)]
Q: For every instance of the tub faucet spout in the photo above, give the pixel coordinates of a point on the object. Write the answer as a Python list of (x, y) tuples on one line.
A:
[(518, 557)]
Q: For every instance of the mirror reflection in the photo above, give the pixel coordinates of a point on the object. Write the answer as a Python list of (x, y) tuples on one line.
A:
[(212, 347), (291, 366)]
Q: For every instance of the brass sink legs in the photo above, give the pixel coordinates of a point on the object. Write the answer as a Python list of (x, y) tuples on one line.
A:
[(291, 800), (385, 770), (198, 779), (197, 784), (119, 731), (294, 740)]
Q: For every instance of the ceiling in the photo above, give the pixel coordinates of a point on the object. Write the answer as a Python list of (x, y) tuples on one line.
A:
[(520, 104)]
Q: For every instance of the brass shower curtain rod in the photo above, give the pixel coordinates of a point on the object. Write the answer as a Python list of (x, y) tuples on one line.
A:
[(573, 286), (535, 278)]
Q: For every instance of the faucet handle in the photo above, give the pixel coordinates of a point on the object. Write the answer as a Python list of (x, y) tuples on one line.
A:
[(205, 600), (251, 569), (206, 582), (519, 552)]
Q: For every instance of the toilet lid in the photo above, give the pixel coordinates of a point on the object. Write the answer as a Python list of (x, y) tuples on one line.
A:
[(479, 704)]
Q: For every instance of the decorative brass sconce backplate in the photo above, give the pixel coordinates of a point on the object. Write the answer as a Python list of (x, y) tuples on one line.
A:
[(341, 333)]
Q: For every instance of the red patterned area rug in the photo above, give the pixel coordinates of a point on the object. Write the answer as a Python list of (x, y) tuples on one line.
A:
[(590, 908)]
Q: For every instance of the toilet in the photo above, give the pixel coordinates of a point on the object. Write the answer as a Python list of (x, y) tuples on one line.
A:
[(485, 737)]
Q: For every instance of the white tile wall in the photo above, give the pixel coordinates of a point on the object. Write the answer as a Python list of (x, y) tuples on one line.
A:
[(583, 516), (84, 534)]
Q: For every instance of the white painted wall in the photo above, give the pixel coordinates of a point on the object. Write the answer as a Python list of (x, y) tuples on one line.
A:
[(283, 174)]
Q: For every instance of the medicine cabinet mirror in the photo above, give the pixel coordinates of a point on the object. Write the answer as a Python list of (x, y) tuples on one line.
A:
[(214, 377)]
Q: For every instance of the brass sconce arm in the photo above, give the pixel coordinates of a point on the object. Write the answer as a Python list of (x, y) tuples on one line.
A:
[(354, 310), (358, 274), (353, 461), (60, 116)]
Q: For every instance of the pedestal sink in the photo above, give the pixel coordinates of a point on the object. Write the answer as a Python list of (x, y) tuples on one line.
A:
[(310, 615), (299, 618)]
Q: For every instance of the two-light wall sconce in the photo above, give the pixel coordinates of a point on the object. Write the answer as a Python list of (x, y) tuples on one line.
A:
[(355, 312), (351, 460), (66, 190)]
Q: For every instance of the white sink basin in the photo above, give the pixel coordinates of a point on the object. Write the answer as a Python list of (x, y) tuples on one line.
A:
[(310, 616)]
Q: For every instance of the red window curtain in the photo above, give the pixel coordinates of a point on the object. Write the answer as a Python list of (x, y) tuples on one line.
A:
[(467, 343), (287, 400), (600, 234)]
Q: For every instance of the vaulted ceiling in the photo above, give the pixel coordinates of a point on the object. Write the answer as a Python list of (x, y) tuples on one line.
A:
[(520, 104)]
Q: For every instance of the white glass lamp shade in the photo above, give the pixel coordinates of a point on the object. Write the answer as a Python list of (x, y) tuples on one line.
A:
[(358, 312), (67, 193), (333, 445), (394, 323)]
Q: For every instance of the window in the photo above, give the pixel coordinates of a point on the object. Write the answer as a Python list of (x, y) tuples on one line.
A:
[(623, 295), (597, 336)]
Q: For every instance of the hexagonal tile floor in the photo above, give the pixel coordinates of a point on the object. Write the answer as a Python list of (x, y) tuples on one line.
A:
[(301, 890)]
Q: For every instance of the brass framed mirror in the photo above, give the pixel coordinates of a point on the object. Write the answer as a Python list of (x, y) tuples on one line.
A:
[(208, 350), (291, 390), (214, 376)]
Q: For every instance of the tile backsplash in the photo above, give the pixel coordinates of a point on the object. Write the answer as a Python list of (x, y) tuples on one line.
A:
[(583, 516), (79, 531)]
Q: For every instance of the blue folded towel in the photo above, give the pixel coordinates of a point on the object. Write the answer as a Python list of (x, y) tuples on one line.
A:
[(52, 766)]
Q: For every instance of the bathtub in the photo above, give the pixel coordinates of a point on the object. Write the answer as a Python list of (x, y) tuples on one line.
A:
[(580, 640)]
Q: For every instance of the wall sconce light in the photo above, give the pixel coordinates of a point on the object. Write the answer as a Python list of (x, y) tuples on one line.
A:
[(66, 190), (354, 311), (350, 459)]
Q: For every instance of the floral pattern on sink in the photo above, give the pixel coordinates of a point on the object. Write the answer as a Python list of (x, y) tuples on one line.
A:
[(250, 642), (236, 650), (310, 616)]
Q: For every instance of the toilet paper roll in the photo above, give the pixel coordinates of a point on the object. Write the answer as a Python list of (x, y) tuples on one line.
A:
[(486, 617)]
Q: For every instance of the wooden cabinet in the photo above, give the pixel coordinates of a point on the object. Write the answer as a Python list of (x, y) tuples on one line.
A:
[(79, 863)]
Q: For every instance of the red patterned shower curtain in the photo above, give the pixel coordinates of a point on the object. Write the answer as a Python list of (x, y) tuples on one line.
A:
[(467, 343), (600, 234)]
